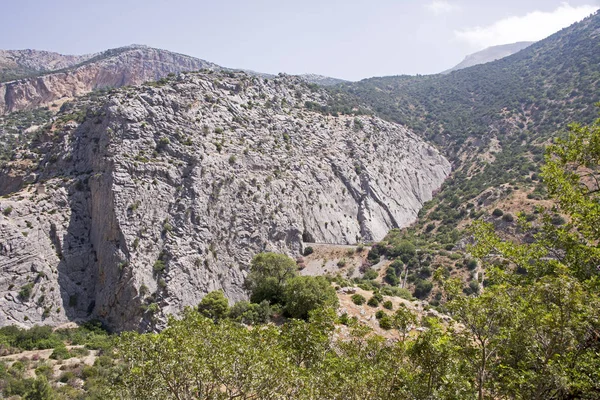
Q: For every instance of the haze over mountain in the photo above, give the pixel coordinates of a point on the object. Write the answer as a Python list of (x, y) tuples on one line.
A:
[(489, 54)]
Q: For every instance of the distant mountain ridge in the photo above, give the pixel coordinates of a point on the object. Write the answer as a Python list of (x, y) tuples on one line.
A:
[(321, 79), (16, 64), (34, 78), (124, 66), (490, 54)]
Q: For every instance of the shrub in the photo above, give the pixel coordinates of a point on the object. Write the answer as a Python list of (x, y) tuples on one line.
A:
[(471, 264), (343, 319), (370, 274), (508, 217), (66, 377), (303, 294), (385, 322), (358, 299), (251, 313), (7, 211), (159, 266), (388, 304), (497, 212), (391, 277), (268, 275), (60, 353), (405, 250), (422, 289), (379, 314), (341, 263), (373, 302), (25, 292), (214, 305), (308, 251)]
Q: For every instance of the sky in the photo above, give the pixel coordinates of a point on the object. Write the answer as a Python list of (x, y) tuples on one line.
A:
[(347, 39)]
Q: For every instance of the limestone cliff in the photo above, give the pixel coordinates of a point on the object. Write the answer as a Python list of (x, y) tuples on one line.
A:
[(165, 191)]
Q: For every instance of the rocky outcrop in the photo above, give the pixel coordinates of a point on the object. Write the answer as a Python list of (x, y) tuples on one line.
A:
[(113, 68), (166, 191), (38, 60)]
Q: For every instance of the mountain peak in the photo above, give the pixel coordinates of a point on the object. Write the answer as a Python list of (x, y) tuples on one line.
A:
[(489, 54)]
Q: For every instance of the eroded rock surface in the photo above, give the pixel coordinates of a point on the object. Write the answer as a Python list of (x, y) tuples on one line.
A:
[(165, 192)]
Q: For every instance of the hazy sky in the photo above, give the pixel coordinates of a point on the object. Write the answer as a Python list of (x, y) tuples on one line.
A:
[(349, 39)]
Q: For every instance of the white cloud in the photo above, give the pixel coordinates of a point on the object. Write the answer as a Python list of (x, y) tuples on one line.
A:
[(441, 7), (533, 26)]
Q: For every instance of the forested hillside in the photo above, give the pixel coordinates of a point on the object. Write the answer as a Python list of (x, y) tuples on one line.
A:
[(492, 121)]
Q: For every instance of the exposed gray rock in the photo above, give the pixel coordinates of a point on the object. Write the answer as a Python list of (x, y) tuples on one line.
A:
[(165, 192)]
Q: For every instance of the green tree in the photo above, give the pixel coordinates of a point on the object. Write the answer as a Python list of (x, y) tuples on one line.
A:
[(303, 294), (41, 390), (403, 321), (214, 305), (536, 319), (268, 275)]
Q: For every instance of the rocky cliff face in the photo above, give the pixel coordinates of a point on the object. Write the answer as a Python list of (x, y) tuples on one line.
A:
[(114, 68), (166, 191)]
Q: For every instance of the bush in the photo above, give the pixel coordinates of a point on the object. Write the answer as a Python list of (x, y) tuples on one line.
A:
[(344, 319), (388, 305), (159, 266), (471, 264), (66, 377), (508, 217), (385, 322), (303, 294), (268, 275), (373, 302), (391, 277), (251, 313), (405, 250), (422, 289), (60, 353), (25, 292), (379, 314), (358, 299), (308, 251), (370, 274), (497, 212), (214, 305)]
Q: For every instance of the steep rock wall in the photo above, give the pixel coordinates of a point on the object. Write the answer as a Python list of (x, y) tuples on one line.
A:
[(165, 193)]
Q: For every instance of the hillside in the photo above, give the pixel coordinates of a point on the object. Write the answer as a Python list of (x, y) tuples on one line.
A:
[(489, 54), (131, 205), (491, 120)]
